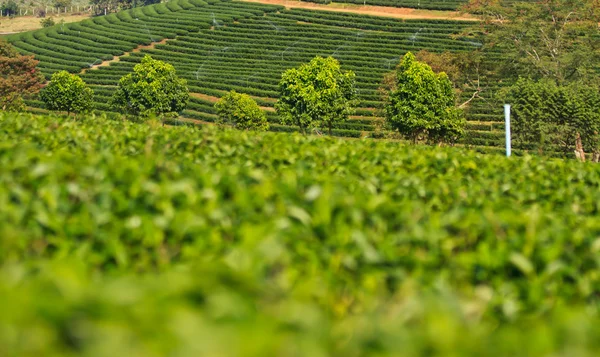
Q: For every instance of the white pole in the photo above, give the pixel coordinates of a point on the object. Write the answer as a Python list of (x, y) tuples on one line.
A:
[(507, 127)]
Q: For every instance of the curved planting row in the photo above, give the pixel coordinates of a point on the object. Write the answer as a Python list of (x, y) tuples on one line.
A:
[(87, 43)]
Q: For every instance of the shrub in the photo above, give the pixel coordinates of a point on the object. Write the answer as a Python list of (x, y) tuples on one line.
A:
[(241, 111), (67, 92), (47, 22), (153, 89)]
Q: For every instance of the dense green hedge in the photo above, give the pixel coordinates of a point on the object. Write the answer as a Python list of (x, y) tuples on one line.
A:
[(138, 239)]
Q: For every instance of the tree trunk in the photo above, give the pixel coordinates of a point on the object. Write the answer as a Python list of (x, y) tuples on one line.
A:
[(329, 124), (579, 153)]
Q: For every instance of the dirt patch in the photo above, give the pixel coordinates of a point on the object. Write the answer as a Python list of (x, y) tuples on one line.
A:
[(28, 23), (384, 11), (118, 58), (206, 97)]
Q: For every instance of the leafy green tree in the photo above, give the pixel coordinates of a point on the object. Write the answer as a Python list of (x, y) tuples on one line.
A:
[(67, 92), (422, 104), (241, 111), (62, 3), (316, 94), (550, 117), (10, 8), (556, 39), (153, 89)]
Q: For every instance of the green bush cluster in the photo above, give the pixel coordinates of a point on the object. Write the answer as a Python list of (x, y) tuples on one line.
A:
[(119, 238)]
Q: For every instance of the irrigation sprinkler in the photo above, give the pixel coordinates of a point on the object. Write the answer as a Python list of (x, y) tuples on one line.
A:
[(413, 37), (97, 61), (248, 78), (197, 72), (338, 48), (388, 62), (288, 48), (214, 21), (507, 127), (277, 28)]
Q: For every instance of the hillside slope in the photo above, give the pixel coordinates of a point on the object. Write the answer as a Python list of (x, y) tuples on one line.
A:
[(219, 46)]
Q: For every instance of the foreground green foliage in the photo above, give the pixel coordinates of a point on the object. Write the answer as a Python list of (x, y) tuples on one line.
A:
[(152, 90), (241, 111), (67, 92), (120, 238)]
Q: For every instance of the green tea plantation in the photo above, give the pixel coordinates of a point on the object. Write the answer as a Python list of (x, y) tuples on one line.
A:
[(223, 45), (123, 239)]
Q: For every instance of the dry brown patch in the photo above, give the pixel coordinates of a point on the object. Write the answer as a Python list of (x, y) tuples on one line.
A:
[(384, 11), (28, 23), (207, 97)]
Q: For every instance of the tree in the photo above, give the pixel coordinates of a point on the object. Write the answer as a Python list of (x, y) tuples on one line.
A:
[(10, 8), (554, 39), (422, 104), (62, 3), (317, 94), (551, 117), (464, 69), (153, 89), (19, 77), (67, 92), (241, 111)]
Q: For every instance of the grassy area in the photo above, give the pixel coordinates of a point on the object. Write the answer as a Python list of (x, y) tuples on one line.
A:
[(143, 240), (28, 23)]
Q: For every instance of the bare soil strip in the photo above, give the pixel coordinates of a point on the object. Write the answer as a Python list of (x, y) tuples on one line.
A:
[(206, 97), (384, 11), (118, 58)]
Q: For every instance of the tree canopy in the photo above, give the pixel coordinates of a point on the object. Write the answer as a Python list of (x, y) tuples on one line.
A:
[(153, 89), (241, 111), (556, 39), (67, 92), (316, 94), (550, 117), (19, 77), (421, 104)]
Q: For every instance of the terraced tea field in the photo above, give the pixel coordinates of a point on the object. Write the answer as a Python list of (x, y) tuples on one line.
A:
[(218, 46)]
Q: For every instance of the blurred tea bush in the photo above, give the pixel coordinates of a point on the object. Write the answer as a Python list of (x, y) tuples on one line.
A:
[(141, 240)]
